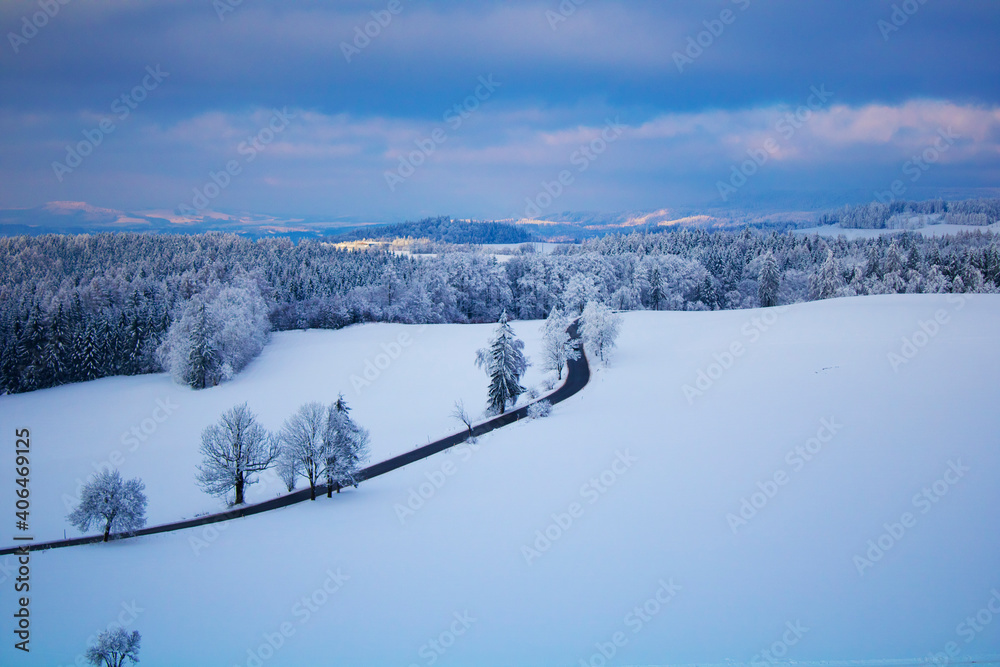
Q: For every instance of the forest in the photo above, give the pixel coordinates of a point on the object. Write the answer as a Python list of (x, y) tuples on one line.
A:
[(915, 215), (76, 308), (445, 230)]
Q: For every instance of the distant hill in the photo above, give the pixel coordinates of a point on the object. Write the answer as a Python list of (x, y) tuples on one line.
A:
[(75, 217), (445, 230)]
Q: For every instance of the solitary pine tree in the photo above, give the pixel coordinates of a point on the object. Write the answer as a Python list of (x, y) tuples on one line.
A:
[(769, 281), (119, 504), (504, 361), (346, 447)]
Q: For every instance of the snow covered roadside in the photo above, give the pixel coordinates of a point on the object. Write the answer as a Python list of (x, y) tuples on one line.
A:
[(399, 381), (607, 529)]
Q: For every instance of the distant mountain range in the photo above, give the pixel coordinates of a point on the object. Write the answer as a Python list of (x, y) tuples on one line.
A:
[(68, 217), (71, 217)]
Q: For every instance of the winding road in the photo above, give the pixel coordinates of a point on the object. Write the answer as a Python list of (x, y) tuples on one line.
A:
[(577, 377)]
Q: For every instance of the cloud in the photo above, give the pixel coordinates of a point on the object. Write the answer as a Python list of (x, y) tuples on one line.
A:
[(561, 82), (495, 159)]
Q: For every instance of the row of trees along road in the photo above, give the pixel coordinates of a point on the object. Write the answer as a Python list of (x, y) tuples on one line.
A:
[(318, 443)]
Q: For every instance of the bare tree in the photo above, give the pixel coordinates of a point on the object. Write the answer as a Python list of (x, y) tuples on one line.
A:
[(461, 415), (236, 450), (288, 470), (114, 647), (303, 441)]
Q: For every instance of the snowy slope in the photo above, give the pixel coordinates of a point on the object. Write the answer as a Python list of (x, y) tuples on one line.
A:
[(634, 482), (400, 382)]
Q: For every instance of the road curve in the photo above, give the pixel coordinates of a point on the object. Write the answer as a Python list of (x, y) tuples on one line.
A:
[(577, 377)]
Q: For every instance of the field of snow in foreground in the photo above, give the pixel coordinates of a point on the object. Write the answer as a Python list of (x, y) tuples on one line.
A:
[(400, 382), (817, 483)]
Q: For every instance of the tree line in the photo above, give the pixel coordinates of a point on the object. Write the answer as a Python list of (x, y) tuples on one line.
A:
[(76, 308)]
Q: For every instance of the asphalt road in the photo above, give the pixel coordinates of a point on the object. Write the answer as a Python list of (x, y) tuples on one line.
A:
[(577, 377)]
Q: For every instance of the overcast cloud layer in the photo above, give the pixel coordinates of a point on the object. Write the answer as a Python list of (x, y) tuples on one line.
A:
[(618, 100)]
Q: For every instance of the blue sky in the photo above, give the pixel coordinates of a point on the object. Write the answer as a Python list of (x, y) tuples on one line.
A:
[(483, 109)]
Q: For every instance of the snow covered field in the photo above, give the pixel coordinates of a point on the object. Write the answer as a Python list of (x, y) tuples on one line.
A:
[(400, 382), (817, 483)]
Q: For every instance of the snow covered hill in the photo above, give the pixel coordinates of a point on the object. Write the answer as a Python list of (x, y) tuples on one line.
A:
[(815, 483), (400, 382)]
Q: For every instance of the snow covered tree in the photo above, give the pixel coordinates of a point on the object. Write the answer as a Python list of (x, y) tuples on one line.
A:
[(288, 470), (539, 410), (600, 328), (829, 280), (203, 360), (216, 337), (107, 499), (557, 346), (769, 281), (241, 326), (188, 351), (657, 294), (504, 361), (346, 447), (114, 647), (893, 259), (235, 451), (303, 442), (579, 290)]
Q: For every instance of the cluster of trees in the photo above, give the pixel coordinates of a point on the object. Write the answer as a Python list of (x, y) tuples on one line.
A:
[(216, 335), (504, 361), (444, 230), (81, 307), (322, 443), (75, 308), (318, 443), (896, 214)]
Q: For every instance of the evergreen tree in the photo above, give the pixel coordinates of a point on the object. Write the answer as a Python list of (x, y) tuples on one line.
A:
[(769, 281), (90, 354), (829, 279), (504, 361), (346, 447), (657, 296), (893, 260), (203, 360)]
